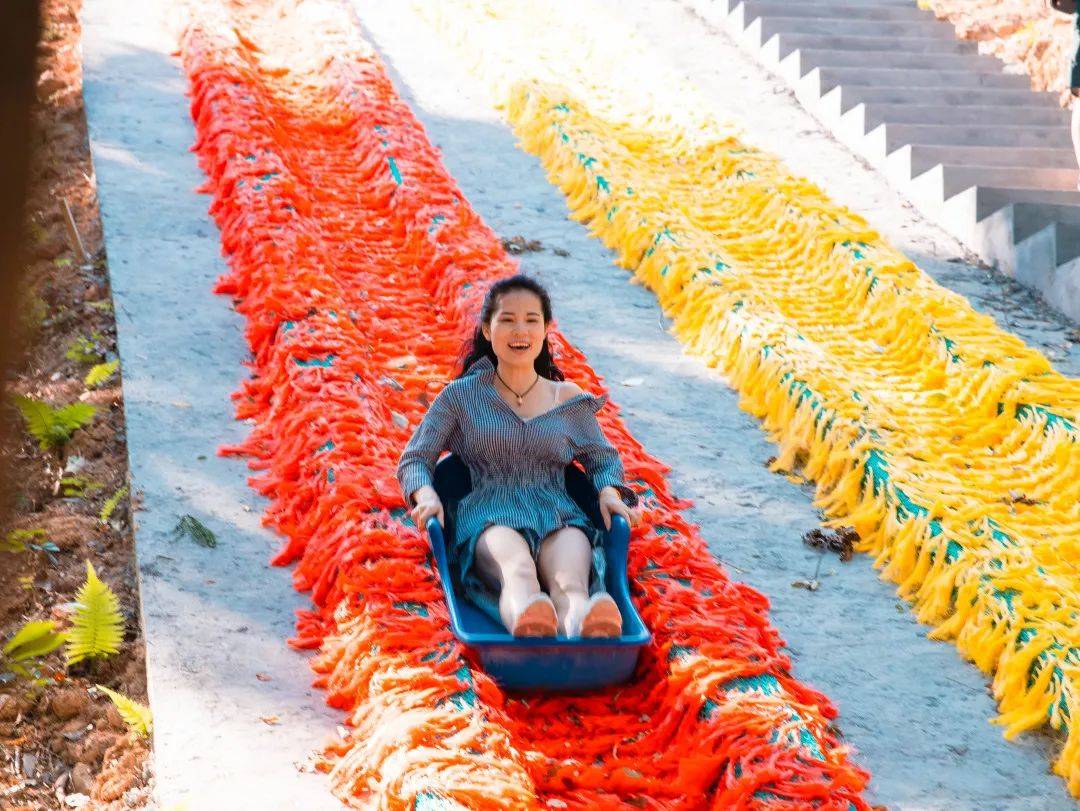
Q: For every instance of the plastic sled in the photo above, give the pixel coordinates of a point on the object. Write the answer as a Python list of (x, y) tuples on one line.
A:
[(541, 663)]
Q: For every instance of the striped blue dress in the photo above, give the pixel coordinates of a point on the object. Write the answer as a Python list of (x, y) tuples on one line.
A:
[(516, 465)]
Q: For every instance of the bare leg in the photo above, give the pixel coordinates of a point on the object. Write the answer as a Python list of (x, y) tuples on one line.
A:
[(1074, 102), (565, 562), (503, 558)]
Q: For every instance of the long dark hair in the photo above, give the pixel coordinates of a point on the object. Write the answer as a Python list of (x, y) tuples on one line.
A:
[(479, 347)]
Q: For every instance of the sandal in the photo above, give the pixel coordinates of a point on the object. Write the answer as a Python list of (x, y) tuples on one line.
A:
[(537, 618), (602, 617)]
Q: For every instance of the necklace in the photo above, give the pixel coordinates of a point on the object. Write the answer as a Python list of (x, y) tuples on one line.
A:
[(520, 397)]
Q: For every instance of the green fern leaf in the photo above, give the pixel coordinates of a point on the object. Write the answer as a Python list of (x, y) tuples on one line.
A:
[(34, 639), (50, 426), (109, 506), (98, 627), (76, 415), (19, 540), (136, 715), (101, 372), (86, 350)]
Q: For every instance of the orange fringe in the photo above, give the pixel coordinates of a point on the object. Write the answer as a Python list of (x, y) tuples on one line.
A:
[(359, 266)]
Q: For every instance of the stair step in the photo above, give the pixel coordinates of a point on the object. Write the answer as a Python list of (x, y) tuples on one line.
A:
[(924, 157), (966, 97), (823, 58), (1030, 218), (958, 178), (894, 136), (911, 78), (771, 26), (1066, 242), (995, 115), (989, 199), (876, 45), (835, 11)]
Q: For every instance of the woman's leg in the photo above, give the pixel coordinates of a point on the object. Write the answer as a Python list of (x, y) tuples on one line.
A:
[(565, 563), (504, 560), (1074, 102)]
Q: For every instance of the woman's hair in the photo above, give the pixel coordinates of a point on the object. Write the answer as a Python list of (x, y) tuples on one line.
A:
[(478, 346)]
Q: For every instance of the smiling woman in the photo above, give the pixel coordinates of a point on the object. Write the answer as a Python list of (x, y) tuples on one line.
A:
[(523, 549)]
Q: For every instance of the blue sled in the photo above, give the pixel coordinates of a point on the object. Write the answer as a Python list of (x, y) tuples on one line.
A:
[(545, 663)]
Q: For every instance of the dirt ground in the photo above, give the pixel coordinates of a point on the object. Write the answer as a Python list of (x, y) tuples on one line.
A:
[(63, 743)]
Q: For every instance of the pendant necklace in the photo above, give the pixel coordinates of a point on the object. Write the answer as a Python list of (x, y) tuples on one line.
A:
[(520, 397)]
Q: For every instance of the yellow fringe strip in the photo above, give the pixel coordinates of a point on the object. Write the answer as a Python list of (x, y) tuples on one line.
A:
[(947, 443)]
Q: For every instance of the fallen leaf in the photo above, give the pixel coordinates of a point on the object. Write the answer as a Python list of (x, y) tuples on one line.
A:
[(809, 585), (269, 720), (262, 677)]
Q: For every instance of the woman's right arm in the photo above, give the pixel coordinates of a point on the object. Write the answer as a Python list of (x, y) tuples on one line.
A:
[(416, 470)]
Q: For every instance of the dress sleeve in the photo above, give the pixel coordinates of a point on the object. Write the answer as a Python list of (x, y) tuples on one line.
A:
[(432, 436), (598, 456)]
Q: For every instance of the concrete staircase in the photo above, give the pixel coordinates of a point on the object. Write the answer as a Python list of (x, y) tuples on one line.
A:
[(974, 148)]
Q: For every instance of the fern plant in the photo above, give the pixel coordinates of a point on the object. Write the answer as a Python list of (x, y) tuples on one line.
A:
[(86, 350), (19, 540), (79, 486), (30, 643), (98, 628), (111, 503), (53, 427), (100, 372), (136, 715)]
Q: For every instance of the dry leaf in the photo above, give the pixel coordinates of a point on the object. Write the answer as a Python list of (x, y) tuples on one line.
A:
[(262, 677), (269, 720)]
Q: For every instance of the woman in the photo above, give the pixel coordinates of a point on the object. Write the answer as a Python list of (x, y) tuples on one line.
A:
[(517, 423)]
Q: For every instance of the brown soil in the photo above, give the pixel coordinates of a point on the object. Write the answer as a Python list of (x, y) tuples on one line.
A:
[(63, 738)]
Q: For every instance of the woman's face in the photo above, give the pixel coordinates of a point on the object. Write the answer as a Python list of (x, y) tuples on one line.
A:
[(516, 329)]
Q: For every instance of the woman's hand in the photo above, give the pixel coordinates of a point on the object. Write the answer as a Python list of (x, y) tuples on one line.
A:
[(428, 504), (611, 503)]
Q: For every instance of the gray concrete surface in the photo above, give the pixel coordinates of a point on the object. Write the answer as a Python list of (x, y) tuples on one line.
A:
[(917, 714), (213, 618)]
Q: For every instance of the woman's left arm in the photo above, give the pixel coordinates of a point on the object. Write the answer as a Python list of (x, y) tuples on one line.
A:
[(601, 461)]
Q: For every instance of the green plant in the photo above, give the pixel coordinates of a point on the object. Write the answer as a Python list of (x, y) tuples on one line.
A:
[(98, 627), (19, 540), (110, 505), (53, 427), (136, 715), (87, 350), (30, 643), (193, 528), (100, 373), (79, 486)]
